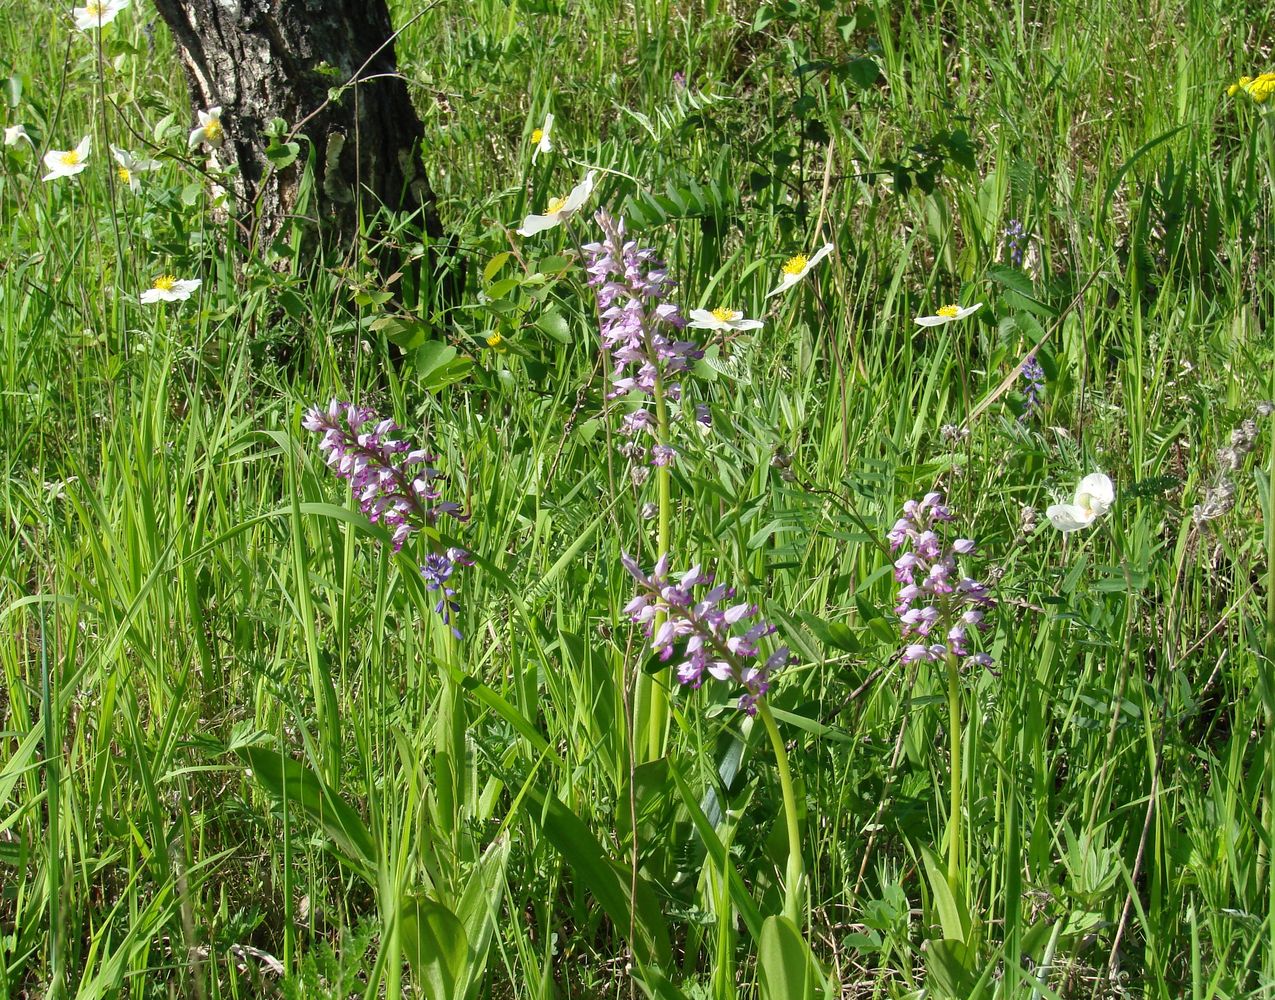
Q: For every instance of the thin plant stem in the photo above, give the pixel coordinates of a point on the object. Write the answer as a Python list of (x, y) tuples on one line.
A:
[(657, 719), (794, 877), (954, 779)]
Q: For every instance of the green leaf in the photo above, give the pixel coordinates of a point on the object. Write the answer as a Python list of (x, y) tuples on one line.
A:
[(495, 264), (300, 789), (432, 356), (606, 880), (953, 917), (554, 324), (787, 968), (949, 969), (863, 72), (436, 947), (835, 634), (160, 131), (501, 288), (553, 264), (282, 154), (748, 911), (13, 90), (438, 366), (479, 907)]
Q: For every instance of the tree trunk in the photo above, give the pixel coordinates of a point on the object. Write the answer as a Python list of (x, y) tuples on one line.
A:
[(265, 59)]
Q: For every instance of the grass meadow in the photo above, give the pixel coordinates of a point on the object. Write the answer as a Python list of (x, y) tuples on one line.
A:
[(244, 756)]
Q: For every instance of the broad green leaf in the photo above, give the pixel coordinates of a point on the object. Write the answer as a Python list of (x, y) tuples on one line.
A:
[(478, 909), (786, 967), (294, 784), (948, 971), (607, 881), (554, 324), (748, 911), (435, 945), (953, 917), (495, 264)]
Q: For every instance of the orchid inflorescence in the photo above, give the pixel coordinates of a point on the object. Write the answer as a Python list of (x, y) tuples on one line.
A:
[(719, 641), (394, 485), (934, 600), (640, 331)]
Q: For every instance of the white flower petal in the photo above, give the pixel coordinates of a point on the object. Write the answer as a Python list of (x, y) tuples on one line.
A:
[(533, 224), (579, 194), (1100, 490), (703, 319), (786, 281), (819, 255), (544, 145), (1068, 517), (960, 314)]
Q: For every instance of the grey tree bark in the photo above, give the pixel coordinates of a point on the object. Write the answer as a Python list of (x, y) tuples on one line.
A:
[(265, 59)]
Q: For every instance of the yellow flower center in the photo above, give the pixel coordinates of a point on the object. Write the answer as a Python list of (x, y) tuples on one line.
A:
[(495, 340), (537, 135), (165, 283), (71, 157), (795, 265), (213, 131), (950, 312), (94, 9), (555, 205), (724, 314), (124, 174)]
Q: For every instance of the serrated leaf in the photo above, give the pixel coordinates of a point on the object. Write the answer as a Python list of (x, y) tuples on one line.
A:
[(554, 324)]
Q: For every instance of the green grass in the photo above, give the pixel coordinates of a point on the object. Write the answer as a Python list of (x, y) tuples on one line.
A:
[(185, 592)]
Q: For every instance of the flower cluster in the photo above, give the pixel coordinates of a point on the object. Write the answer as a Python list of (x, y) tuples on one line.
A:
[(393, 483), (1033, 384), (934, 600), (1260, 88), (639, 329), (1014, 233), (437, 571), (718, 641)]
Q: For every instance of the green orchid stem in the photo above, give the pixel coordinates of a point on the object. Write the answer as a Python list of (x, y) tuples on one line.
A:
[(795, 875), (657, 700), (954, 728)]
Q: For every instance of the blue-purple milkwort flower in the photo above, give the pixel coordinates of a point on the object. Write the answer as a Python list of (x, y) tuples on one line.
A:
[(394, 484), (1014, 233), (714, 640), (640, 331), (939, 610), (1033, 384)]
